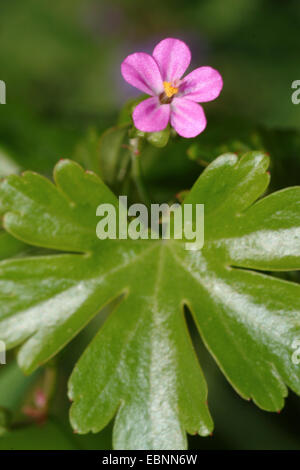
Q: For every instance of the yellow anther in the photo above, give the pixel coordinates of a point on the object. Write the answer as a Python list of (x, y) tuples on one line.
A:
[(169, 89)]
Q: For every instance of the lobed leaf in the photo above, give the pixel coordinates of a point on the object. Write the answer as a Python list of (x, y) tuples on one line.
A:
[(141, 366)]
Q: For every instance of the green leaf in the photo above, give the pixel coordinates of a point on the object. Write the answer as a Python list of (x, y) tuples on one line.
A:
[(13, 386), (5, 418), (7, 164), (10, 246), (52, 437), (114, 155), (87, 151), (141, 365), (159, 139)]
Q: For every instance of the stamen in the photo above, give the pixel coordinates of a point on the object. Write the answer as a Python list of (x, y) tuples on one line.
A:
[(170, 90)]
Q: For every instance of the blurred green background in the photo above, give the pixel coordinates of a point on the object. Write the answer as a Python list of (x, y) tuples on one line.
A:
[(61, 64)]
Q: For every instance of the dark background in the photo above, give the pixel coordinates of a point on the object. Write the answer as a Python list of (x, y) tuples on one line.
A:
[(61, 64)]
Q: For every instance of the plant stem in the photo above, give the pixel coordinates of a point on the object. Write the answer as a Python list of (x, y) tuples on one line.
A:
[(137, 171)]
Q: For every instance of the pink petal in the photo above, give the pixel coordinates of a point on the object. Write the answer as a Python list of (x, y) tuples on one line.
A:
[(173, 57), (201, 85), (151, 116), (187, 117), (142, 72)]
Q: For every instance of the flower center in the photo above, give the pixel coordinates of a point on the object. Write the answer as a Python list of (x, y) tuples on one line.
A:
[(170, 90)]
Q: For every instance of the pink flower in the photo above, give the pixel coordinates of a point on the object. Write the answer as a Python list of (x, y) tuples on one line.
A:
[(173, 98)]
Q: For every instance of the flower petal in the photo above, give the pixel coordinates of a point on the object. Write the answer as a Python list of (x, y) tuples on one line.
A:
[(187, 117), (173, 57), (141, 71), (151, 116), (201, 85)]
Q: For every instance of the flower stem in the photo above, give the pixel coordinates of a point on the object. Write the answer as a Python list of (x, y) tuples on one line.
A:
[(137, 171)]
